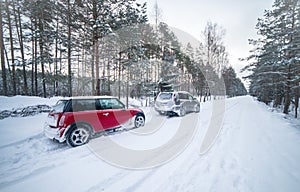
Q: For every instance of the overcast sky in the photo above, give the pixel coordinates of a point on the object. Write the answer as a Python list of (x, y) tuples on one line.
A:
[(237, 17)]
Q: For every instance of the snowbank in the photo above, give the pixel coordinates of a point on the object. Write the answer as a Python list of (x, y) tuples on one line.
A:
[(9, 103), (256, 150)]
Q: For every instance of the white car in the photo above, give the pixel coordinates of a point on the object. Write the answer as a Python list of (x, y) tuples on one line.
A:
[(176, 103)]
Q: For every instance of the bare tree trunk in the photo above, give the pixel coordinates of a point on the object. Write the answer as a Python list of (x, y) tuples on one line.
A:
[(95, 52), (2, 55), (287, 100), (278, 96), (43, 71), (41, 44), (32, 58), (11, 49), (55, 60), (83, 70), (119, 76), (97, 66), (108, 76), (35, 61), (93, 70), (20, 37), (297, 95), (23, 56), (7, 59), (69, 50)]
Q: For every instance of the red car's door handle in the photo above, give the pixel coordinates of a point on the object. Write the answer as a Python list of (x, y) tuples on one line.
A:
[(105, 114)]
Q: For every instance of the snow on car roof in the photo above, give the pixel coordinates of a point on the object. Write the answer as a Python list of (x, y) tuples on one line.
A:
[(175, 92), (89, 97)]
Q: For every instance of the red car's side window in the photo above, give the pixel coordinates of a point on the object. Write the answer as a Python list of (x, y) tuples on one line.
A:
[(110, 103), (112, 113), (83, 105)]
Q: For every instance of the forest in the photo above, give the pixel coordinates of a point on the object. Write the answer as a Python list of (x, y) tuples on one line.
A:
[(275, 58), (105, 47)]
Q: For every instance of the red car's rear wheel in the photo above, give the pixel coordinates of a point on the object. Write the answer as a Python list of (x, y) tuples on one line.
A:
[(79, 135), (139, 121)]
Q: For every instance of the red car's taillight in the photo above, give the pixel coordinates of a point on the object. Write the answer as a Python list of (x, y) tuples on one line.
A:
[(62, 121), (55, 119)]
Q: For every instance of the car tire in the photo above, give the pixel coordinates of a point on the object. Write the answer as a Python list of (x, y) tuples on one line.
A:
[(139, 121), (79, 135), (161, 113), (197, 108), (182, 111)]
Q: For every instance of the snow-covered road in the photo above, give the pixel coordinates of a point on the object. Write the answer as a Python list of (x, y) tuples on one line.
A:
[(256, 150)]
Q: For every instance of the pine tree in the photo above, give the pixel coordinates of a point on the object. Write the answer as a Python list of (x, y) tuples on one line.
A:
[(276, 64), (234, 86), (169, 49), (106, 17)]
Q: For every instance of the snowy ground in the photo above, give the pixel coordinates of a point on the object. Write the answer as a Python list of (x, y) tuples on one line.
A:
[(256, 150)]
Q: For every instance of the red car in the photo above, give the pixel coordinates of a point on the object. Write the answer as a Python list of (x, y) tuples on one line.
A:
[(78, 119)]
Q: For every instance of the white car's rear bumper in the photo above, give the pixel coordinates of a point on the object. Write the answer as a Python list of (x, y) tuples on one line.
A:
[(174, 109)]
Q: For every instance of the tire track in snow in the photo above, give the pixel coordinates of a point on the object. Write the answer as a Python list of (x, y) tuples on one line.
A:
[(33, 156), (198, 165), (136, 179)]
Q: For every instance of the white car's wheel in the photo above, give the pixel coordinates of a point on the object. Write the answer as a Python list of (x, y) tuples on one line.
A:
[(182, 111), (161, 113), (197, 108)]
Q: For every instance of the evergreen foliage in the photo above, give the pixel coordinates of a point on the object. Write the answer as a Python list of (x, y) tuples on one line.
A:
[(275, 61), (93, 47)]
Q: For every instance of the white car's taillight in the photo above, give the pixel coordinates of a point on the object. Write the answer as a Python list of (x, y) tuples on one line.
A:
[(170, 103)]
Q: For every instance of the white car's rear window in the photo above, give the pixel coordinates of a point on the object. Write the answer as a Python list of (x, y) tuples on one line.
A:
[(165, 96)]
